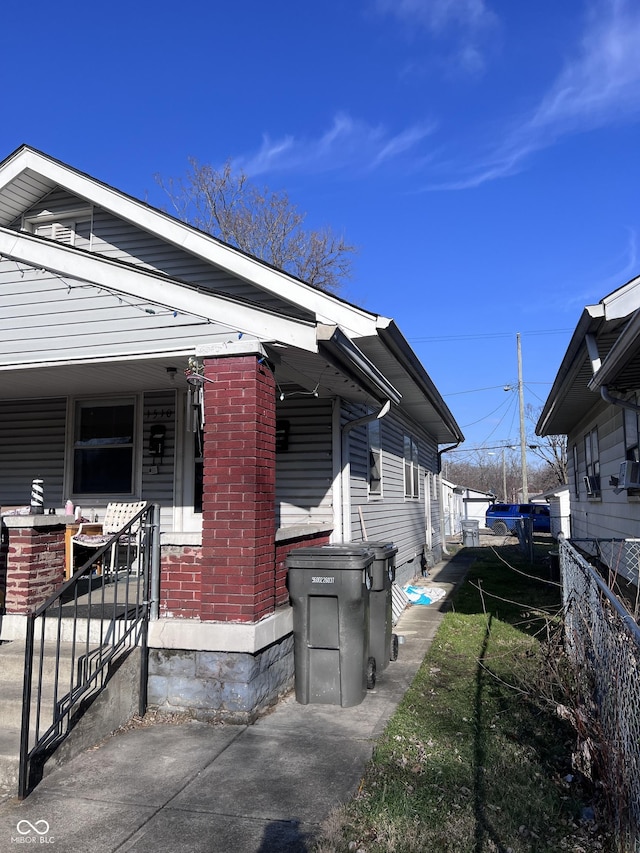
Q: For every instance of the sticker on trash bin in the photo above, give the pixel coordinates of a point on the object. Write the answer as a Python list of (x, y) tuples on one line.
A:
[(424, 594), (322, 579)]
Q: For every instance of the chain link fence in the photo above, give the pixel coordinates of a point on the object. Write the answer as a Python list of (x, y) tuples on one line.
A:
[(620, 556), (603, 640)]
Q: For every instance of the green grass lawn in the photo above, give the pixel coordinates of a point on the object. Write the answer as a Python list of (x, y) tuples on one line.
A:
[(475, 758)]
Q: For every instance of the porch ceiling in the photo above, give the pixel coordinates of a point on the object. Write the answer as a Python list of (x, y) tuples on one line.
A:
[(298, 372), (113, 377)]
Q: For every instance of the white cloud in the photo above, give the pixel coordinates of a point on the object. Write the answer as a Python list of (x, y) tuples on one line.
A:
[(598, 85), (348, 144), (438, 15), (460, 28)]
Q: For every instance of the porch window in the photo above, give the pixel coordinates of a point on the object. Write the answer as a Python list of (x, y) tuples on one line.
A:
[(198, 469), (411, 468), (375, 460), (576, 482), (103, 447)]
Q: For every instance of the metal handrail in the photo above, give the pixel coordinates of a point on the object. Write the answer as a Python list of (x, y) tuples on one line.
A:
[(96, 637)]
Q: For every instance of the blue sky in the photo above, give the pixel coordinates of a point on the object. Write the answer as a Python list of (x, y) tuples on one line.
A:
[(482, 154)]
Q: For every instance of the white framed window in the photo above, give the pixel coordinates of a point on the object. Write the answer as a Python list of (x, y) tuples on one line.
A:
[(631, 443), (104, 442), (576, 480), (592, 463), (375, 459), (189, 464), (411, 468)]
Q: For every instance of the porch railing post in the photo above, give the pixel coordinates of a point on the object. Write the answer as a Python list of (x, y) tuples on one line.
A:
[(151, 580), (24, 767), (155, 563)]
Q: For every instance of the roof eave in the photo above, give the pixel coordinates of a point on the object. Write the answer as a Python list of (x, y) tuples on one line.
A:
[(342, 350), (590, 321), (395, 341)]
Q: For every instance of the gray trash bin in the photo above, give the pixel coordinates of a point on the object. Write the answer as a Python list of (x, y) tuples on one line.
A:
[(329, 590), (383, 643), (471, 533)]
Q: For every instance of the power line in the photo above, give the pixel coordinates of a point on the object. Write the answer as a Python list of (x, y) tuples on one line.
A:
[(473, 391), (506, 386), (490, 335), (505, 403)]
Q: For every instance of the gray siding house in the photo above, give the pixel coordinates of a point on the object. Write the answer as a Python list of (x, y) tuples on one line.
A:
[(595, 402), (313, 419)]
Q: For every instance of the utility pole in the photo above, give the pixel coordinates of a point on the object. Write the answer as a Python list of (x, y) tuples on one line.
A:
[(504, 478), (523, 440)]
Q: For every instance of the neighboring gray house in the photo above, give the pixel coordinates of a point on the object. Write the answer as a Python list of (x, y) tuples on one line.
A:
[(595, 402), (314, 421)]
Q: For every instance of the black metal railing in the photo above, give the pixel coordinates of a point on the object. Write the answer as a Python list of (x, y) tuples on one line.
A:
[(99, 615)]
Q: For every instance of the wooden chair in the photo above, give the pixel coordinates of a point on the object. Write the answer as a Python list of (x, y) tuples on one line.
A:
[(117, 516)]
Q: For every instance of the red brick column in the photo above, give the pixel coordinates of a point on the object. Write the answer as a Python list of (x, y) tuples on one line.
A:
[(283, 549), (35, 566), (238, 517)]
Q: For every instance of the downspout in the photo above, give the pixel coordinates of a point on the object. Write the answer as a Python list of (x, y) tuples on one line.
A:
[(346, 465), (616, 401), (443, 534)]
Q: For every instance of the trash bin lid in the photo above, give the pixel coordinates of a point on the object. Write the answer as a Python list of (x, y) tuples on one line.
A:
[(382, 549), (339, 556)]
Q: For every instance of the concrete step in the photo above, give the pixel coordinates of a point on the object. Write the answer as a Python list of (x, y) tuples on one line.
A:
[(11, 694), (9, 757), (12, 661), (11, 705)]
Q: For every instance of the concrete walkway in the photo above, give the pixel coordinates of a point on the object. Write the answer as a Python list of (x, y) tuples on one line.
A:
[(192, 786)]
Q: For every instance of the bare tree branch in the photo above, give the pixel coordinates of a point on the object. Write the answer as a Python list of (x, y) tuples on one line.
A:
[(263, 223)]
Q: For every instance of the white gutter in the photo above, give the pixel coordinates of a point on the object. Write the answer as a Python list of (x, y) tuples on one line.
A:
[(346, 465)]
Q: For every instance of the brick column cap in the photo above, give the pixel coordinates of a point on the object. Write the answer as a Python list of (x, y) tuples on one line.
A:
[(248, 346)]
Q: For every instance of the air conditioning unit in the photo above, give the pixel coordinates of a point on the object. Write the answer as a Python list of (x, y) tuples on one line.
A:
[(592, 485), (629, 477)]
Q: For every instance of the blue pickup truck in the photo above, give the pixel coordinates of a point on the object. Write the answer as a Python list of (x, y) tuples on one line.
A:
[(502, 518)]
